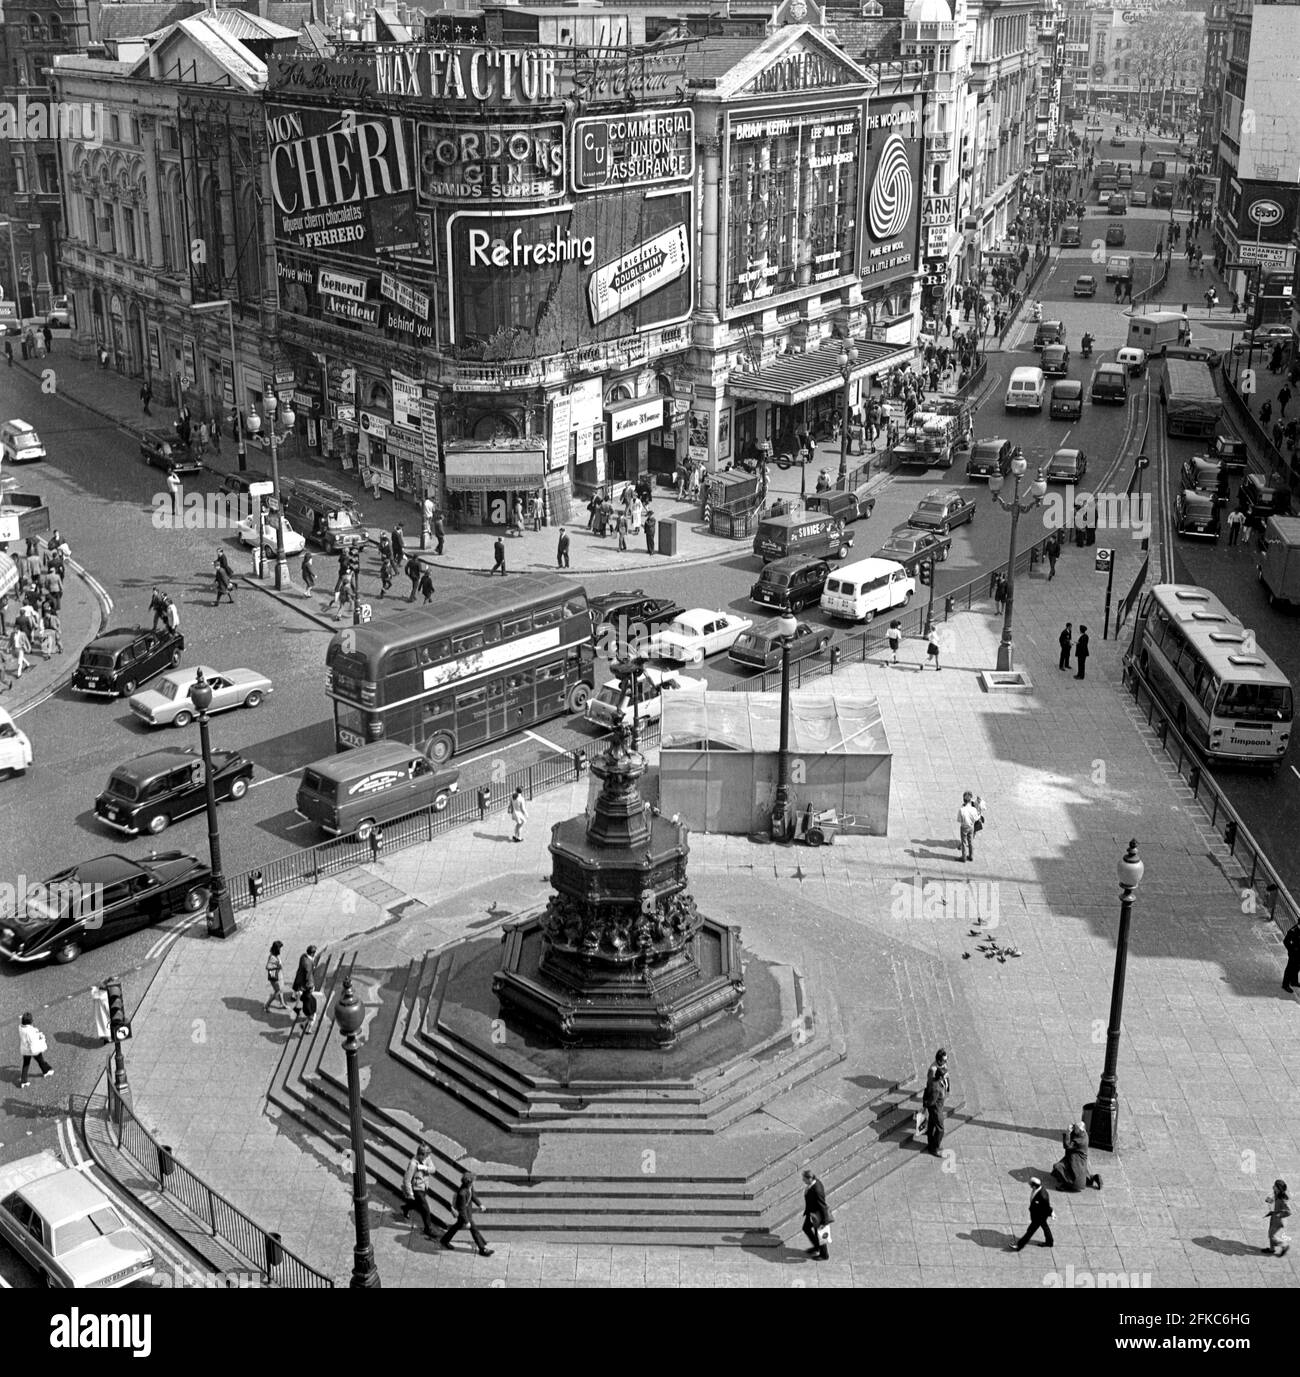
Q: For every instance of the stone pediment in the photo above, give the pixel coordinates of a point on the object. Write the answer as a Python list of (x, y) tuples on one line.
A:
[(793, 60)]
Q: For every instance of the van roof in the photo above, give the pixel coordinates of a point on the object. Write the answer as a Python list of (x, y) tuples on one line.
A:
[(793, 519), (866, 569), (347, 765), (20, 426)]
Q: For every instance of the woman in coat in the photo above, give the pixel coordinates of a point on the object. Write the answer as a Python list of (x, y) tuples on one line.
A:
[(1071, 1172), (1279, 1211)]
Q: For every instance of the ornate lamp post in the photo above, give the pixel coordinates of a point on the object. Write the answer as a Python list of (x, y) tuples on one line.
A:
[(782, 811), (1104, 1128), (1032, 497), (272, 405), (847, 361), (221, 913), (349, 1014)]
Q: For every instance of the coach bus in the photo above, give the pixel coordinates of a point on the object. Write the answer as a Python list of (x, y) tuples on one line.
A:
[(505, 656), (1227, 697)]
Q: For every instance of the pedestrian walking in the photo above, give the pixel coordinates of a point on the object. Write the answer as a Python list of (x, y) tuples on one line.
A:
[(1291, 941), (203, 439), (895, 634), (222, 562), (19, 644), (385, 576), (1000, 591), (518, 811), (622, 530), (1066, 641), (174, 487), (103, 1020), (308, 568), (399, 544), (934, 1101), (304, 987), (970, 819), (1081, 652), (592, 508), (53, 633), (651, 522), (439, 532), (466, 1203), (275, 977), (32, 1046), (1053, 551), (562, 550), (1266, 413), (413, 571), (1283, 399), (426, 587), (1040, 1217), (1279, 1211), (499, 556), (48, 335), (416, 1181), (932, 649), (52, 588), (224, 585), (9, 357), (817, 1218)]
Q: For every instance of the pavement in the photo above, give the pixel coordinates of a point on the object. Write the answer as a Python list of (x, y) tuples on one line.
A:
[(1210, 1112)]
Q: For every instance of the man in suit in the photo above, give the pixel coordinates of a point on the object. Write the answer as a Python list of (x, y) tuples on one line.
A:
[(935, 1100), (1081, 651), (816, 1215), (1291, 976), (1040, 1212), (1064, 640), (466, 1203)]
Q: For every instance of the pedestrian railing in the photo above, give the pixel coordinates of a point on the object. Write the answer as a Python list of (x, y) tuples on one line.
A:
[(1272, 456), (279, 1267), (1261, 879)]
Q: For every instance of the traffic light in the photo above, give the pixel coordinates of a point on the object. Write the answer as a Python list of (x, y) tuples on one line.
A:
[(926, 572), (118, 1022)]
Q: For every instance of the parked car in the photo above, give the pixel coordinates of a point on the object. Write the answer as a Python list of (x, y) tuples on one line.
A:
[(59, 1221), (1114, 235), (1067, 400), (60, 316), (117, 662), (153, 791), (911, 547), (695, 634), (1138, 198), (988, 457), (15, 746), (941, 511), (168, 703), (1085, 285), (294, 544), (1066, 466), (612, 703), (624, 621), (1056, 359), (100, 900), (760, 647), (165, 451)]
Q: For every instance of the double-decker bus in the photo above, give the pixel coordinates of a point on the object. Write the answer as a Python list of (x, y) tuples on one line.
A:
[(507, 655), (1227, 697)]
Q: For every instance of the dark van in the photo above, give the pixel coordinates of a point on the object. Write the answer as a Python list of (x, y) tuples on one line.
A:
[(801, 533), (1157, 170), (790, 585), (115, 664), (1257, 500), (322, 514), (349, 793), (1110, 383), (853, 505)]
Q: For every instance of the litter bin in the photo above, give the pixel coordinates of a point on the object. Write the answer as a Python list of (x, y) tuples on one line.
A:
[(666, 533)]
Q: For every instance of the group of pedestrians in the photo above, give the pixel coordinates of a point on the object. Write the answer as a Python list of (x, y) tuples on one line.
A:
[(417, 1185), (306, 984), (35, 625)]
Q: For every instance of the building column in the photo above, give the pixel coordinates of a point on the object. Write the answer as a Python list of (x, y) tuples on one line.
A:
[(710, 246), (149, 132)]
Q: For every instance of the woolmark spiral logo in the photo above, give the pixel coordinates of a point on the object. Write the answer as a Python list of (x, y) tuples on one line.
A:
[(891, 192)]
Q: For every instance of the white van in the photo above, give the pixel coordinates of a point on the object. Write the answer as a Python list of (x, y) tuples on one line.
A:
[(856, 592), (1025, 390), (19, 443)]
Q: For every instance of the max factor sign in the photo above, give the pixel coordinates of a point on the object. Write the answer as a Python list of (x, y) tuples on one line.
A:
[(502, 76)]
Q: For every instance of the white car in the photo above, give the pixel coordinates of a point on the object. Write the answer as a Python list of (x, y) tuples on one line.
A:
[(168, 703), (60, 1222), (60, 317), (294, 544), (15, 748), (613, 705), (701, 631)]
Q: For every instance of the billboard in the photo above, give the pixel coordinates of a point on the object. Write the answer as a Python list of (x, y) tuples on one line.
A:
[(1263, 212), (644, 149), (497, 162), (351, 246), (531, 283), (891, 191)]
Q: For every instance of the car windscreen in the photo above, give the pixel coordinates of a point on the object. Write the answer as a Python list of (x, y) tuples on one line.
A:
[(168, 688), (611, 695), (747, 640), (341, 521), (930, 509), (97, 1224), (1256, 702), (27, 442), (122, 788), (777, 578), (680, 629), (96, 659)]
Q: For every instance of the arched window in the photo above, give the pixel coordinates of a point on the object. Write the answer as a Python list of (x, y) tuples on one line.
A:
[(56, 29), (620, 392), (36, 28), (380, 395)]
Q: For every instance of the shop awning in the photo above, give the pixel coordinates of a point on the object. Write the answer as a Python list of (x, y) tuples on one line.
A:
[(800, 377), (479, 468)]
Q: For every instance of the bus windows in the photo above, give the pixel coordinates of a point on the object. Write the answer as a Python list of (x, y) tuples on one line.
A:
[(398, 662), (491, 633), (516, 626), (575, 607), (467, 641), (547, 616)]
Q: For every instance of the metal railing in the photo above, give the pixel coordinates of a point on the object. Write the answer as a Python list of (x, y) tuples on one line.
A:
[(859, 647), (1262, 879), (232, 1226), (1273, 457)]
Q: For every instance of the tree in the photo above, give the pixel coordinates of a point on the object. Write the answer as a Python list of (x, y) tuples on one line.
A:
[(1163, 42)]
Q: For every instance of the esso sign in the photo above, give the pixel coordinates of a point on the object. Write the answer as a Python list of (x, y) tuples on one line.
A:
[(1264, 212)]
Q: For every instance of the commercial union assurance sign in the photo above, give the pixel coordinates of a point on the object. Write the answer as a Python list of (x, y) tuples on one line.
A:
[(643, 149)]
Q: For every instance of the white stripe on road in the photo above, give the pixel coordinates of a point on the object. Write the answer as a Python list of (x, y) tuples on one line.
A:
[(270, 779), (172, 934), (559, 750)]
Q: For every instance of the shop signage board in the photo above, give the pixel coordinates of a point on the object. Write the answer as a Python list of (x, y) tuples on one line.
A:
[(408, 395), (646, 413), (417, 303), (938, 210), (1270, 255), (891, 190), (648, 148), (561, 428), (490, 162), (374, 426)]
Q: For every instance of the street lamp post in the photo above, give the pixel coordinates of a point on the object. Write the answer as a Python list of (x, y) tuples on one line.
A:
[(1033, 496), (272, 405), (204, 308), (782, 812), (349, 1014), (1104, 1126), (221, 913), (847, 361)]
